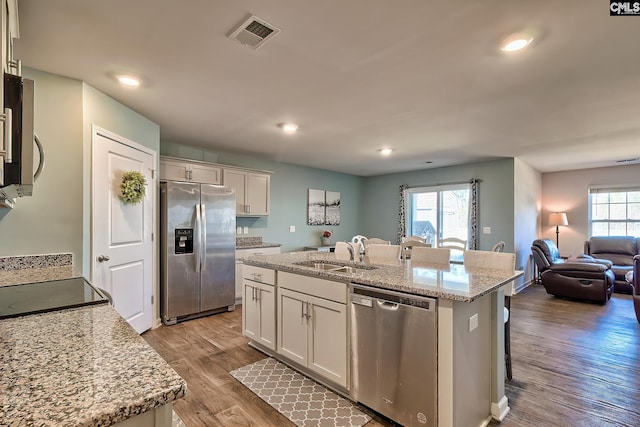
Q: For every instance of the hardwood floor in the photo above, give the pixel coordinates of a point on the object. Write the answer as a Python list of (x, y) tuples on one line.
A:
[(575, 364)]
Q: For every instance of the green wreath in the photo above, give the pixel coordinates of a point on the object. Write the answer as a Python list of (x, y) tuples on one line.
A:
[(132, 188)]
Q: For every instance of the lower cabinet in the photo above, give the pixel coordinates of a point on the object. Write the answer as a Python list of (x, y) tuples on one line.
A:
[(259, 313), (312, 331), (259, 305), (240, 253)]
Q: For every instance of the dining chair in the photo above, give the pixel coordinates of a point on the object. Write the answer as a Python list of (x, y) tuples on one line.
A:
[(412, 238), (342, 250), (359, 239), (497, 261), (453, 243), (406, 246), (430, 255), (376, 241), (383, 252), (498, 247)]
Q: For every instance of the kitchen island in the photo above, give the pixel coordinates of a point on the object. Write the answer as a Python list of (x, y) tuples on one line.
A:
[(80, 367), (470, 323)]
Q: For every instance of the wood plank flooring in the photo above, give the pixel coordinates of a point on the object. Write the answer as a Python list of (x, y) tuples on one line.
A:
[(575, 364)]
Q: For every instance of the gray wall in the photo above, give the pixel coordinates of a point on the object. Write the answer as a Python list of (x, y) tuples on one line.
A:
[(381, 195), (289, 185), (568, 192), (51, 220)]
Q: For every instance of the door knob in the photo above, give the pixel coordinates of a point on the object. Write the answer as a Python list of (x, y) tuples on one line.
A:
[(103, 258)]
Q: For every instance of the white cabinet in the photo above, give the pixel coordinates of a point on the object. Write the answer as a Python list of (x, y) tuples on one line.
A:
[(241, 253), (9, 66), (259, 308), (252, 191), (173, 169), (312, 325)]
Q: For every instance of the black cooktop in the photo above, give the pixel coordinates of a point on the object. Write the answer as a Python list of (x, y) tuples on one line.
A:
[(32, 298)]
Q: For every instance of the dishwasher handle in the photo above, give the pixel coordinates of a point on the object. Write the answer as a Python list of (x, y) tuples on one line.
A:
[(388, 305)]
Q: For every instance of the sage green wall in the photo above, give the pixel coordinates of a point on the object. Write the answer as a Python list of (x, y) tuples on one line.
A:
[(289, 185), (105, 112), (51, 220), (57, 218), (381, 197)]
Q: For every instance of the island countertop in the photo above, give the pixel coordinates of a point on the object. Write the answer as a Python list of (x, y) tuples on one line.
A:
[(451, 281), (79, 367)]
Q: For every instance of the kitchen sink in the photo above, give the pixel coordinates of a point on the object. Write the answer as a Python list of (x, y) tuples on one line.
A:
[(337, 268)]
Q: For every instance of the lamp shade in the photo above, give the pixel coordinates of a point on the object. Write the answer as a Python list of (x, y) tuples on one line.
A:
[(558, 218)]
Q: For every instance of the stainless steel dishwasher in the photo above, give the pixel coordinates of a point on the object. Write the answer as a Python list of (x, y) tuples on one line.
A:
[(394, 354)]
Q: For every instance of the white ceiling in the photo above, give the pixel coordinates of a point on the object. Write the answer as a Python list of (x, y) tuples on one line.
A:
[(424, 77)]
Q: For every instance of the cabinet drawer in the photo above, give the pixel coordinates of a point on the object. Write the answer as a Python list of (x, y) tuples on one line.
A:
[(241, 253), (327, 289), (259, 274)]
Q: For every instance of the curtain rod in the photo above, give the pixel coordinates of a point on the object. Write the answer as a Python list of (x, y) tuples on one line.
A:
[(445, 183)]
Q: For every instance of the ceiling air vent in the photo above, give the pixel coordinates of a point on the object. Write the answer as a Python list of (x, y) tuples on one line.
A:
[(253, 32)]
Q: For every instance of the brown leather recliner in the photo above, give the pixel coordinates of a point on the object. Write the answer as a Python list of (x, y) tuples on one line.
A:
[(580, 278)]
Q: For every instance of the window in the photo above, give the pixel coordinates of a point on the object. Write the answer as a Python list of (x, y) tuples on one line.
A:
[(438, 212), (614, 211)]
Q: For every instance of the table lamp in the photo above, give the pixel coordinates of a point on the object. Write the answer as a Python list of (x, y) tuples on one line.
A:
[(558, 219)]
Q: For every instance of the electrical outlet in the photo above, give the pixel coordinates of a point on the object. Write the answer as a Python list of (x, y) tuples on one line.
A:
[(486, 230), (238, 230), (245, 230), (292, 229), (473, 322)]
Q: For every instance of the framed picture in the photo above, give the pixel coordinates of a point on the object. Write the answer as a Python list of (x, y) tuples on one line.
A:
[(315, 207), (332, 208)]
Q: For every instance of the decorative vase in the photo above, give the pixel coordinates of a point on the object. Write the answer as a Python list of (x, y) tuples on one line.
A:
[(325, 241)]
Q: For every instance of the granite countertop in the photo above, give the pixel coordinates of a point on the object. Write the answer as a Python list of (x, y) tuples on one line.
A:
[(441, 281), (79, 367), (33, 275), (257, 245)]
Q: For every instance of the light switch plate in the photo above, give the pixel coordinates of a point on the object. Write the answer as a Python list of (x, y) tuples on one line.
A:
[(245, 230), (473, 322), (486, 230), (238, 230), (292, 229)]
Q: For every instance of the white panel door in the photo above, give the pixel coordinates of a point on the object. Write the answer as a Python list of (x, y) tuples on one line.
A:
[(122, 247), (292, 325)]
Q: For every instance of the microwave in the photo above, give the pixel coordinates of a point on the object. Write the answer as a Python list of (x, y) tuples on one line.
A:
[(19, 138)]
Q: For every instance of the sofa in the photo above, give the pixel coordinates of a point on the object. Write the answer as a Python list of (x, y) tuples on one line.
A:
[(585, 278), (620, 250)]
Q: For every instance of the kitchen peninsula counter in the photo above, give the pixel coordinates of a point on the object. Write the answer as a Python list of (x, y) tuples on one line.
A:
[(450, 281), (470, 322)]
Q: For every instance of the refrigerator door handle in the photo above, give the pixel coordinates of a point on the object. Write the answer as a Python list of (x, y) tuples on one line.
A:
[(203, 217), (198, 245)]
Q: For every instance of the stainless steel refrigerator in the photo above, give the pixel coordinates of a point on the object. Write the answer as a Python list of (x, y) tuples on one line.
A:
[(198, 243)]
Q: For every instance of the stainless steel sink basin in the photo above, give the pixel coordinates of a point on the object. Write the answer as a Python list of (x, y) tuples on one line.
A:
[(336, 268)]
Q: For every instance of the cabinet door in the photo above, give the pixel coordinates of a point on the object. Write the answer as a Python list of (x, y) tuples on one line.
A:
[(258, 186), (239, 265), (250, 311), (267, 301), (237, 180), (205, 174), (173, 171), (292, 325), (328, 340)]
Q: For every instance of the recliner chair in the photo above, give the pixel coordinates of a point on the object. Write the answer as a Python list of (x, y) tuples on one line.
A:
[(587, 278)]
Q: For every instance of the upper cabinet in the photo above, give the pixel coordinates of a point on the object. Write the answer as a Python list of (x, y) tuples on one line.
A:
[(174, 169), (252, 191), (252, 187)]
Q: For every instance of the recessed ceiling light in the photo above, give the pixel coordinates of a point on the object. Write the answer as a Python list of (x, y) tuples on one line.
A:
[(128, 80), (516, 42), (288, 128), (385, 151)]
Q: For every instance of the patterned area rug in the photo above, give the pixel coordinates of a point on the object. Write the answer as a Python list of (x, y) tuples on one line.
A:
[(302, 400)]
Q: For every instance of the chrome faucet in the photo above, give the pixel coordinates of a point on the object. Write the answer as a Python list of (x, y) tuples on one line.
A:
[(352, 254)]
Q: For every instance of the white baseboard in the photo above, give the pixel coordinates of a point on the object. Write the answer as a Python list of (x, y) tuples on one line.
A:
[(500, 410)]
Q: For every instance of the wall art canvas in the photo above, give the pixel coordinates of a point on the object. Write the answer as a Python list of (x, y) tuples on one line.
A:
[(315, 207), (332, 208)]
